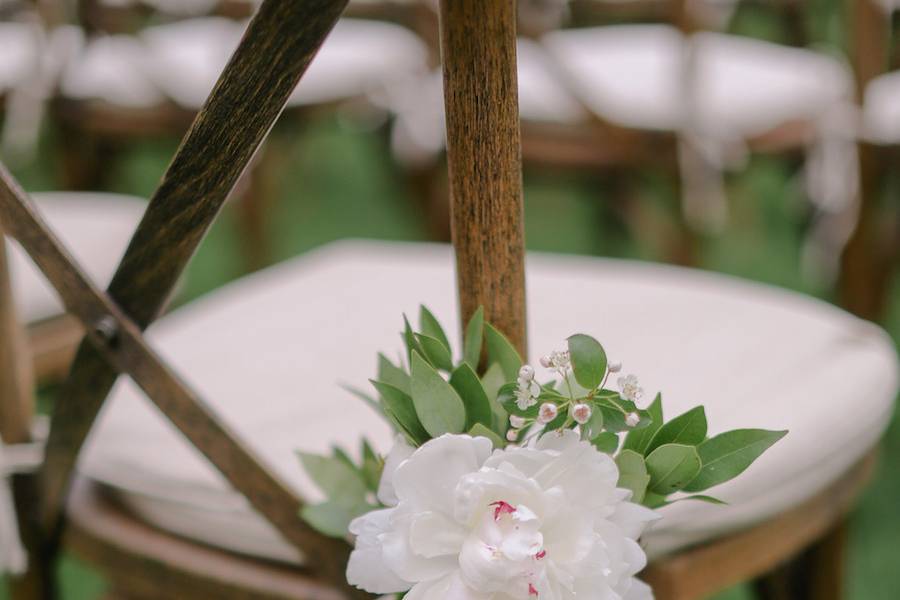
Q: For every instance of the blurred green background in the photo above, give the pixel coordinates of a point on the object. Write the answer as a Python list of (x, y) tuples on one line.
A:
[(337, 180)]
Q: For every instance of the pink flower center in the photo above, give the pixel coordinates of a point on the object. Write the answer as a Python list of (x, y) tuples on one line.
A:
[(502, 508), (532, 591), (540, 554)]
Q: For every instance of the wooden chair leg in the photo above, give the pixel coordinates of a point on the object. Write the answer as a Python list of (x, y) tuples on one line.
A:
[(816, 574)]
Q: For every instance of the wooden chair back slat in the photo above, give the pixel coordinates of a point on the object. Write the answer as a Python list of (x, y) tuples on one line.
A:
[(478, 50), (16, 386), (120, 343), (276, 49), (864, 277)]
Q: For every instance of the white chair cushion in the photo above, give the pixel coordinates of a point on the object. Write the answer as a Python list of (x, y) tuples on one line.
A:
[(94, 227), (634, 75), (18, 58), (881, 113), (111, 68), (271, 350), (358, 57)]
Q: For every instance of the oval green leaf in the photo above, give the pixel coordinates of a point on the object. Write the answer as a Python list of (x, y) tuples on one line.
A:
[(468, 386), (431, 327), (474, 339), (633, 474), (588, 360), (438, 406), (688, 428), (435, 351), (639, 439), (729, 454), (399, 407), (671, 467), (502, 352)]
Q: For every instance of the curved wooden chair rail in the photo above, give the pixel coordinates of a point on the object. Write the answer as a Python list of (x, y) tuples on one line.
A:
[(478, 42), (145, 563)]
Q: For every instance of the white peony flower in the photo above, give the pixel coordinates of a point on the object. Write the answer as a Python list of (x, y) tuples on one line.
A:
[(630, 389), (541, 521)]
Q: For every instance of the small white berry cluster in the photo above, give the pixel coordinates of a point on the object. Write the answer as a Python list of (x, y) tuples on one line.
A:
[(629, 389), (557, 360), (528, 390)]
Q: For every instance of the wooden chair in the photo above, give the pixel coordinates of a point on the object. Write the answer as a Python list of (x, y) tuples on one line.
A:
[(478, 41), (589, 125), (872, 252), (125, 87)]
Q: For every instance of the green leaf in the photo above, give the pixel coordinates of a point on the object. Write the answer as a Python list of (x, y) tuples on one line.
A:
[(660, 502), (436, 353), (330, 518), (728, 454), (688, 428), (588, 360), (339, 481), (606, 442), (372, 466), (390, 373), (468, 386), (342, 456), (480, 430), (439, 407), (633, 474), (639, 439), (671, 467), (401, 407), (492, 381), (474, 339), (502, 352), (410, 340), (431, 326), (594, 426)]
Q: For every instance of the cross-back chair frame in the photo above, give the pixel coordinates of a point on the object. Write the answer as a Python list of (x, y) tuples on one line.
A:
[(478, 42)]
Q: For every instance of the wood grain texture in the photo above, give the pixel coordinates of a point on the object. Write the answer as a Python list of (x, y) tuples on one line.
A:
[(16, 411), (867, 262), (276, 49), (478, 48), (145, 563), (119, 342), (697, 573)]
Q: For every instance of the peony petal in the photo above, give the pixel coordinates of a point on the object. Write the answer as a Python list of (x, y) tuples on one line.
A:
[(399, 453), (367, 571), (428, 477), (400, 557), (434, 534), (633, 518), (366, 568), (450, 587), (638, 591)]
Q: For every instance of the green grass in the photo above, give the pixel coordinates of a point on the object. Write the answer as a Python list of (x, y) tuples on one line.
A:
[(336, 182)]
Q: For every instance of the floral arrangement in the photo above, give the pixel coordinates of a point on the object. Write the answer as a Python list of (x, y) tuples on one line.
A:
[(501, 487)]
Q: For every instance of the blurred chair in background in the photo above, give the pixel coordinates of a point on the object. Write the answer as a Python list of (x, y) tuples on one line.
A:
[(873, 251), (709, 335), (96, 225), (121, 88), (660, 95)]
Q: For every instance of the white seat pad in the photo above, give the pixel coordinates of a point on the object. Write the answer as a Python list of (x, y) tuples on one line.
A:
[(271, 350), (634, 75), (94, 227), (18, 57), (358, 57), (881, 113)]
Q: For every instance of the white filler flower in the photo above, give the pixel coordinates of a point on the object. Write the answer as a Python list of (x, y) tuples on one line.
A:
[(544, 521)]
